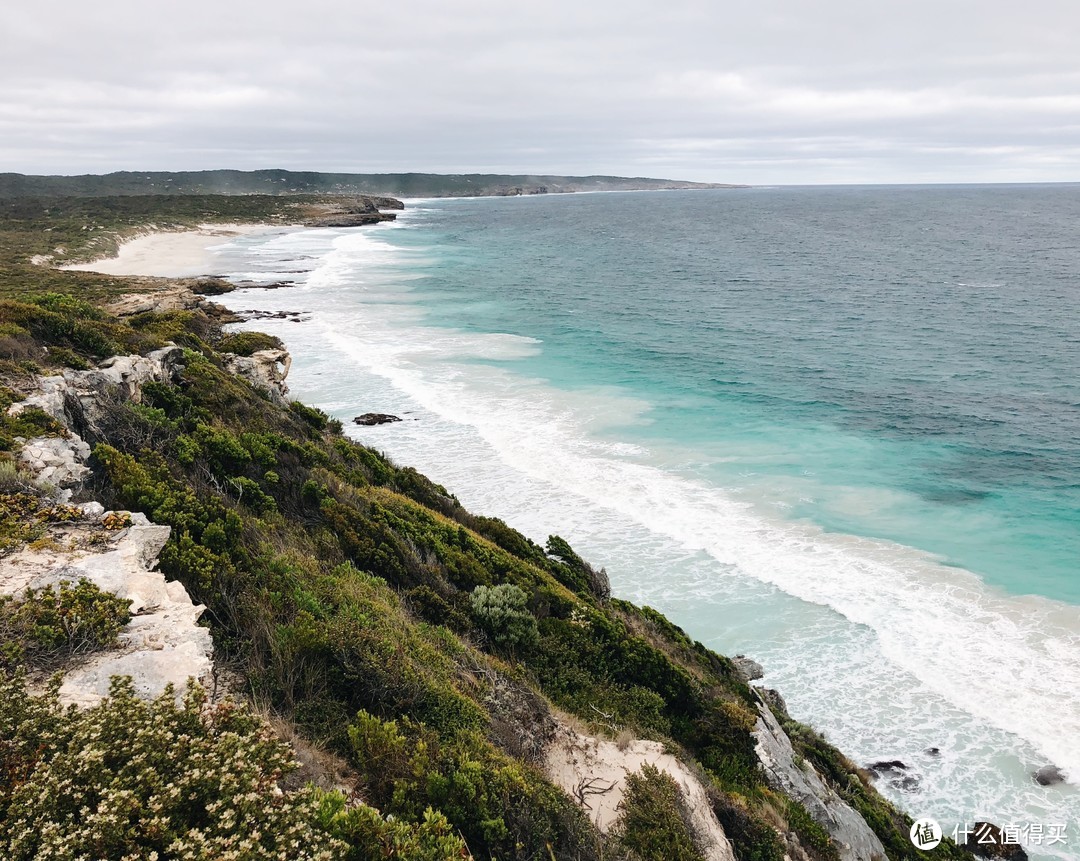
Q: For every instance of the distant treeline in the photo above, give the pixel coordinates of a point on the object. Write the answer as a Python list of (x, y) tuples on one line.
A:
[(308, 182)]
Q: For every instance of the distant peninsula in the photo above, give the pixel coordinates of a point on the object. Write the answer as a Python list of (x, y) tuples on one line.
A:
[(311, 182)]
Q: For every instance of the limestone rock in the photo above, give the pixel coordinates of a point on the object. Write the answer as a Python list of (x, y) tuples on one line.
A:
[(173, 299), (163, 644), (78, 399), (350, 219), (57, 462), (853, 837), (265, 369), (748, 668)]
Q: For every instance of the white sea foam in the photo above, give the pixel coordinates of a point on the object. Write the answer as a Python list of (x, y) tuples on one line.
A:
[(890, 649)]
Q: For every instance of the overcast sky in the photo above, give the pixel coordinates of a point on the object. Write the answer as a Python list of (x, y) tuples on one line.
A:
[(753, 91)]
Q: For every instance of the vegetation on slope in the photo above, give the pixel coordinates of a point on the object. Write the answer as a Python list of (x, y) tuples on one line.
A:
[(362, 606)]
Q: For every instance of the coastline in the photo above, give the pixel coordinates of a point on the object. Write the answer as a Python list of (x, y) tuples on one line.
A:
[(170, 246), (169, 253)]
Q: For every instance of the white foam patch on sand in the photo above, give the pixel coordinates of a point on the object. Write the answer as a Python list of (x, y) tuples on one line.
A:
[(172, 254)]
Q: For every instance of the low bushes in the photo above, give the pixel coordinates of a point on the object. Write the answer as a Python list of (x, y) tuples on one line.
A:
[(142, 780), (654, 822), (51, 625)]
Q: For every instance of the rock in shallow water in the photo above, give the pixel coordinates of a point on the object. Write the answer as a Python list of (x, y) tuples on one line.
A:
[(1049, 775), (369, 419), (896, 773), (988, 841)]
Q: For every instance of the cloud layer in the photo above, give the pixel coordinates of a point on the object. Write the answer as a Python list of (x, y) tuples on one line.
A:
[(767, 91)]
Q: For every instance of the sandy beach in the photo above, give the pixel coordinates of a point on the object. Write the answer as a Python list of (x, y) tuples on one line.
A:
[(176, 254)]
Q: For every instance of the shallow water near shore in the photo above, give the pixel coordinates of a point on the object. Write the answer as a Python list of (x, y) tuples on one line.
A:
[(835, 429)]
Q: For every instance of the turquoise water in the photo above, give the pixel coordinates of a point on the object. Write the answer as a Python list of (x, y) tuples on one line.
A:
[(895, 363), (836, 429)]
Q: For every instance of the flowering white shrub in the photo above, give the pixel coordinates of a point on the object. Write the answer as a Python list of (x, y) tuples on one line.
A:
[(130, 779)]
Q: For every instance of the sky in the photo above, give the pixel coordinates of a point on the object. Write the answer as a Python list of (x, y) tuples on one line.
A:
[(741, 91)]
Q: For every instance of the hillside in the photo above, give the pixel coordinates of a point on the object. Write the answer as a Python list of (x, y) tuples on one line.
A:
[(307, 182), (451, 688)]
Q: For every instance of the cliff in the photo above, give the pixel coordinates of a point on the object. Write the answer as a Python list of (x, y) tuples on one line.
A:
[(450, 686)]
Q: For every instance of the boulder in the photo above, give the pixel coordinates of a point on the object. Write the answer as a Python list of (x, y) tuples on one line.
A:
[(748, 668), (369, 419), (988, 841), (1049, 775)]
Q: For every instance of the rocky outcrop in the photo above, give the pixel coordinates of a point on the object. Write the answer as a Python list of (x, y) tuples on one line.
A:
[(369, 419), (748, 668), (350, 219), (79, 399), (162, 645), (986, 840), (172, 299), (57, 462), (265, 369), (356, 212), (853, 837), (593, 771)]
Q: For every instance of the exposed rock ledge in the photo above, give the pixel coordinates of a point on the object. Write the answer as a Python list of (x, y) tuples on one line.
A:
[(853, 837), (265, 369), (77, 399), (163, 644)]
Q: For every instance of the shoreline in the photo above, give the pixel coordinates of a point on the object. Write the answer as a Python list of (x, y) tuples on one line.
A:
[(169, 253), (186, 250)]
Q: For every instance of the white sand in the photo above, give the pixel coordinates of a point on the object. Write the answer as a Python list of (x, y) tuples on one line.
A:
[(170, 255), (593, 772)]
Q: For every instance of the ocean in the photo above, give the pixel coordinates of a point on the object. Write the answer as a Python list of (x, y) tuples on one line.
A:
[(835, 429)]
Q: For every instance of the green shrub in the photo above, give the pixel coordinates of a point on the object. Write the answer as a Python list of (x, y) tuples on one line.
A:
[(311, 415), (66, 358), (654, 822), (247, 343), (142, 780), (51, 625), (502, 613), (751, 837), (502, 808), (371, 836)]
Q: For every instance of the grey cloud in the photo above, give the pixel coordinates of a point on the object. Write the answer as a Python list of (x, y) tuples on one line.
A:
[(771, 91)]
